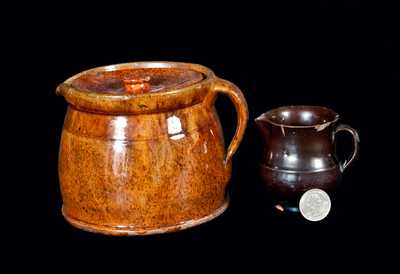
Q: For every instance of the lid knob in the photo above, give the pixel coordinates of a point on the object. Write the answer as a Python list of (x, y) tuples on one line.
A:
[(137, 86)]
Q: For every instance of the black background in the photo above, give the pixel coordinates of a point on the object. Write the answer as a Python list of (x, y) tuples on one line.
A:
[(343, 55)]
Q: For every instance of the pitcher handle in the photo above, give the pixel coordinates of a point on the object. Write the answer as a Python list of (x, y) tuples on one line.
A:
[(356, 144), (238, 100)]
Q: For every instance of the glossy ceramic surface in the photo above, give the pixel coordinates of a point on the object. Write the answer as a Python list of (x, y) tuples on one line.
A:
[(299, 151), (134, 162)]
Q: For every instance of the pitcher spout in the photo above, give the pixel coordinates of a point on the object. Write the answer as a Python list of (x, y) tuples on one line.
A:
[(262, 125)]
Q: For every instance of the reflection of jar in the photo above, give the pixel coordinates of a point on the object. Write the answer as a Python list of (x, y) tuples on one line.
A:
[(142, 149)]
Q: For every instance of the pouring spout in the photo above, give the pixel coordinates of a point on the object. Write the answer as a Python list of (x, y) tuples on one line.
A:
[(262, 125), (261, 121)]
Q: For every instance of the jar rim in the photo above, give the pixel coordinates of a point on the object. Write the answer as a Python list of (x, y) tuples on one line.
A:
[(136, 103)]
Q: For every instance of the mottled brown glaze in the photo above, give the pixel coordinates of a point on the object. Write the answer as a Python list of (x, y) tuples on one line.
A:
[(143, 163), (299, 151)]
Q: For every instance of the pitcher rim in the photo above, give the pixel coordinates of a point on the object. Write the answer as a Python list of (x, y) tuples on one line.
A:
[(266, 116)]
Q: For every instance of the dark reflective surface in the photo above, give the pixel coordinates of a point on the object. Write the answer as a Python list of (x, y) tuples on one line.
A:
[(298, 152)]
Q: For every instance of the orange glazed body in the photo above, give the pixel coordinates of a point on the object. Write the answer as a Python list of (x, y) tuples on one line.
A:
[(149, 158)]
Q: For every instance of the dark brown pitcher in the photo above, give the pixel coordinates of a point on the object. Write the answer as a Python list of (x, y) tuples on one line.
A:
[(299, 152)]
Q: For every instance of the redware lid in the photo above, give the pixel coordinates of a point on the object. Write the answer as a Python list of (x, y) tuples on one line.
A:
[(138, 87), (136, 80)]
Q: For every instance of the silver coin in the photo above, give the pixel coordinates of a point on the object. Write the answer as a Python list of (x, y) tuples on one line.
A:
[(315, 204)]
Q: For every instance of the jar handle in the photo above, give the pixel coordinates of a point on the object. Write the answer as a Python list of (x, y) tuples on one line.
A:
[(238, 100), (356, 144)]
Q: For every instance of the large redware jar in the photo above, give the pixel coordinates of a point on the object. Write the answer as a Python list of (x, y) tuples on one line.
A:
[(142, 149)]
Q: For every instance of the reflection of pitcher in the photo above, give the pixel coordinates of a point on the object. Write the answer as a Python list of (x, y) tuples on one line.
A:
[(299, 151)]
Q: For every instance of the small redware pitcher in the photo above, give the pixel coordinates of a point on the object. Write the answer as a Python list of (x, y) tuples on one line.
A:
[(299, 152), (142, 149)]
